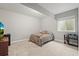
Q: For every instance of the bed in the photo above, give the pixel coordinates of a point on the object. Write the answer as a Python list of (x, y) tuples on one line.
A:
[(41, 38)]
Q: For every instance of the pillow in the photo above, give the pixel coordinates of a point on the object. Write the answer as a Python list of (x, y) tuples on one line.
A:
[(44, 32)]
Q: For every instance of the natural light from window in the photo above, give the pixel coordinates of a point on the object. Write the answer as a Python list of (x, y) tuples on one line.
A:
[(66, 24)]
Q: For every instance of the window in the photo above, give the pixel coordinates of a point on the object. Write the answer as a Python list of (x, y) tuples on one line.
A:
[(66, 24)]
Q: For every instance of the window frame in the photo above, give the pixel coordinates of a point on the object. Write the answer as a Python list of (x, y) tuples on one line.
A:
[(63, 18)]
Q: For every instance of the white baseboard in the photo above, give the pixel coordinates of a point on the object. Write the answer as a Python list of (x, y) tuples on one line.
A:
[(18, 41)]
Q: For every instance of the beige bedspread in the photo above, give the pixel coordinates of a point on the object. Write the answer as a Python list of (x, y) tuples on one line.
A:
[(40, 38)]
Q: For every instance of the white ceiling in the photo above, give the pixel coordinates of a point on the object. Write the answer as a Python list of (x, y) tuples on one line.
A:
[(38, 10), (37, 7), (21, 9), (56, 8)]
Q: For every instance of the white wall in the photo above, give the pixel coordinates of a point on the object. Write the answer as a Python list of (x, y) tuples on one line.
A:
[(18, 25), (48, 23)]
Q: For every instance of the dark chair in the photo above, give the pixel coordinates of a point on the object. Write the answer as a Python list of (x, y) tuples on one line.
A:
[(71, 39)]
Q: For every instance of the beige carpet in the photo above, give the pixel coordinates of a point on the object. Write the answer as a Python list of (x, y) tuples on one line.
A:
[(25, 48)]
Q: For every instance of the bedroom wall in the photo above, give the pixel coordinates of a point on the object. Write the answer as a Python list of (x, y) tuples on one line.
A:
[(48, 23), (18, 25)]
